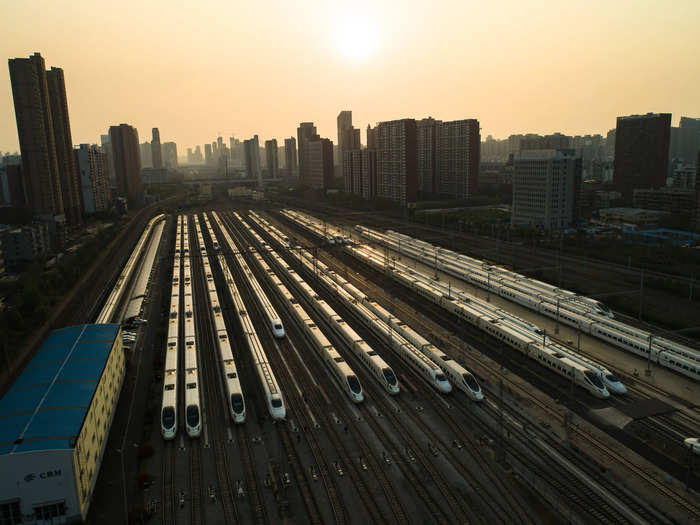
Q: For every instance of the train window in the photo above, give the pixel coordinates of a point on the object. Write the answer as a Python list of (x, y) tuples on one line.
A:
[(217, 309), (276, 402), (371, 353), (594, 379), (190, 386), (189, 343), (173, 315), (440, 377), (389, 376), (338, 360), (232, 375), (168, 417), (169, 387), (354, 384), (237, 403), (192, 413), (471, 383)]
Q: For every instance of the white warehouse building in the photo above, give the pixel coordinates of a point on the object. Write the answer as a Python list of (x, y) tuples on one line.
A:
[(54, 422)]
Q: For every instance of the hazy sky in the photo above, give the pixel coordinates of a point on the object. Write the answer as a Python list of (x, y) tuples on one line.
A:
[(199, 69)]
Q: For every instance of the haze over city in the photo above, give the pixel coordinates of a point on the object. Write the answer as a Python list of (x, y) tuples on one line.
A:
[(380, 262), (221, 68)]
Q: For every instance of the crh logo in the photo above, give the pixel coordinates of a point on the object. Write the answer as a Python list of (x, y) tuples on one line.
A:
[(43, 475)]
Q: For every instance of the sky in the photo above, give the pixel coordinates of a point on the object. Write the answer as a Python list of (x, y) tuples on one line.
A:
[(197, 70)]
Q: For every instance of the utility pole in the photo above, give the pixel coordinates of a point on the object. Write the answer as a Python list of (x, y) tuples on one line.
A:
[(641, 293)]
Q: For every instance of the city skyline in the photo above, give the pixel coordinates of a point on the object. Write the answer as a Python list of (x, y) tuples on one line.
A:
[(529, 78)]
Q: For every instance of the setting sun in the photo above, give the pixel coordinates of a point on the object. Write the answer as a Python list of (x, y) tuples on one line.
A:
[(355, 37)]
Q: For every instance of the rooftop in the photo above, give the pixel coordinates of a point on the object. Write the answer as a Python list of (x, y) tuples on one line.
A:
[(45, 407)]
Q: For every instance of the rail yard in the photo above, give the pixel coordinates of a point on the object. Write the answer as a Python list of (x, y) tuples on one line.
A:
[(310, 370)]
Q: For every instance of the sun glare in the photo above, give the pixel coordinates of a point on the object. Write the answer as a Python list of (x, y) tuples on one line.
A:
[(356, 38)]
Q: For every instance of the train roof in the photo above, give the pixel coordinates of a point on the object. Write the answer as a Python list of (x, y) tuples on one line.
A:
[(45, 407)]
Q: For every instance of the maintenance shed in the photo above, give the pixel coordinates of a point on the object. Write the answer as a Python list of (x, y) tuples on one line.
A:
[(54, 423)]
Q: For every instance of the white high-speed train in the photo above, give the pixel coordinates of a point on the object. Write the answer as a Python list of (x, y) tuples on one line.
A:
[(109, 310), (268, 381), (509, 333), (370, 359), (231, 381), (339, 368), (193, 415), (588, 315), (403, 348), (169, 408), (273, 319)]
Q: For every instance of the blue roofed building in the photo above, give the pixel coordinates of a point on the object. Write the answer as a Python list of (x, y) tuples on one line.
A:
[(54, 422)]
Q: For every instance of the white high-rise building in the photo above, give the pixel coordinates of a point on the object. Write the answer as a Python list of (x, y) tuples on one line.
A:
[(545, 187)]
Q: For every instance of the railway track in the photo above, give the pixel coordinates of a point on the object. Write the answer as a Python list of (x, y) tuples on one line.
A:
[(471, 355), (215, 398), (168, 492), (196, 511), (336, 399), (283, 374)]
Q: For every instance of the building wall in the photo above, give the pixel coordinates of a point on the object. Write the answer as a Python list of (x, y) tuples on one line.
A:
[(290, 156), (30, 93), (396, 161), (641, 152), (319, 163), (67, 172), (458, 145), (92, 440), (271, 158), (39, 478), (305, 132), (156, 151), (426, 130), (127, 162), (169, 150), (545, 184)]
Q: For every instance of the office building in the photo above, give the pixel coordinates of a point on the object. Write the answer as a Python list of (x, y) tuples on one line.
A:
[(169, 155), (641, 152), (12, 181), (290, 156), (545, 188), (426, 161), (348, 137), (35, 131), (305, 132), (251, 149), (360, 173), (127, 163), (319, 163), (156, 151), (371, 138), (237, 153), (146, 155), (448, 157), (24, 244), (396, 161), (457, 158), (680, 202), (554, 141), (63, 140), (689, 139), (57, 415), (94, 182), (107, 150), (207, 154), (271, 159)]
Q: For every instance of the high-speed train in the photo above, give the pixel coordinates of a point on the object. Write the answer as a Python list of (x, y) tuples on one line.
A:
[(268, 381), (403, 348), (109, 310), (339, 368), (456, 373), (478, 315), (193, 416), (588, 315), (273, 318), (168, 411), (370, 359), (231, 381)]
